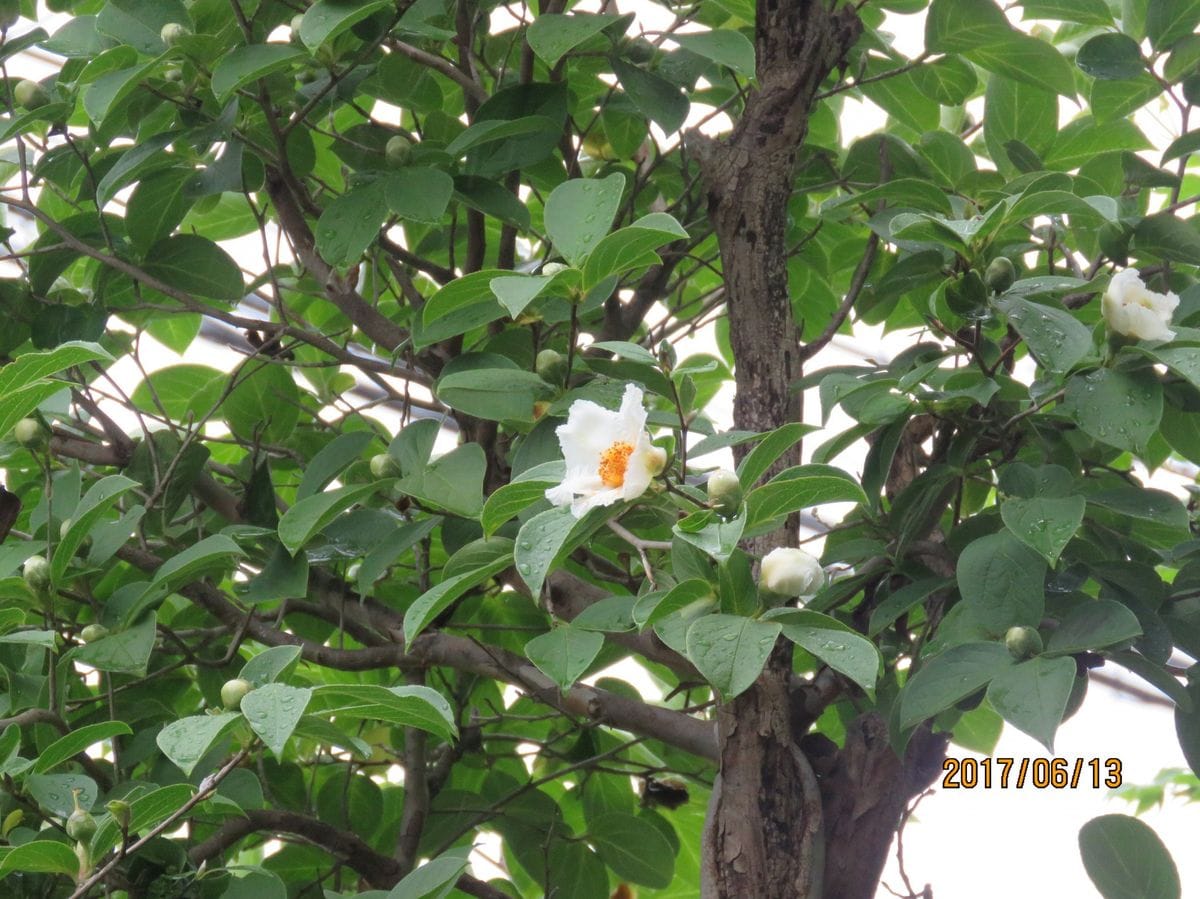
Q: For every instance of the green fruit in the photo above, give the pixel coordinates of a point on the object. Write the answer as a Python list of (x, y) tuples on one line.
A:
[(398, 150), (93, 632), (80, 825), (1077, 695), (384, 466), (37, 575), (724, 492), (640, 50), (30, 95), (173, 32), (1023, 642), (1001, 274), (551, 366), (28, 432), (234, 691)]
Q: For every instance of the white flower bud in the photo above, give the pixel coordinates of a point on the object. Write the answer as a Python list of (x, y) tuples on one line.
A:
[(724, 492), (791, 572), (1132, 310)]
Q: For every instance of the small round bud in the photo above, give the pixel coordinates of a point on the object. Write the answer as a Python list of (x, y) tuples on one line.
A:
[(173, 32), (640, 50), (1001, 274), (724, 492), (37, 575), (1023, 642), (234, 691), (666, 355), (80, 825), (120, 811), (28, 432), (656, 460), (384, 466), (787, 571), (174, 73), (93, 632), (30, 95), (553, 268), (397, 150), (540, 408), (551, 366)]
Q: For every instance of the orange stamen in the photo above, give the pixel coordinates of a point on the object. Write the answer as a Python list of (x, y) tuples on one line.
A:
[(613, 463)]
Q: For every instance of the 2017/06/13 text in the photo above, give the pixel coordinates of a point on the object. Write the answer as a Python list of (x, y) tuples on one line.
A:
[(1041, 773)]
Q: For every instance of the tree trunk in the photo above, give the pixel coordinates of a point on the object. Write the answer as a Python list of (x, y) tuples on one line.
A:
[(764, 836)]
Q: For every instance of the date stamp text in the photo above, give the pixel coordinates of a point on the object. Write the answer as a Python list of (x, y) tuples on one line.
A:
[(1040, 773)]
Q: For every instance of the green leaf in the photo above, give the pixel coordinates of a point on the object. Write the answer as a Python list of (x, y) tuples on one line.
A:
[(430, 604), (1085, 12), (552, 36), (634, 848), (53, 792), (800, 488), (1014, 110), (453, 482), (510, 500), (195, 265), (144, 812), (711, 533), (730, 650), (417, 706), (41, 857), (463, 304), (1045, 524), (518, 291), (270, 665), (564, 653), (1169, 20), (495, 394), (769, 449), (1164, 236), (658, 99), (1093, 625), (391, 548), (181, 391), (579, 213), (652, 608), (542, 540), (109, 90), (896, 604), (186, 741), (724, 47), (950, 676), (76, 742), (264, 405), (327, 19), (350, 224), (1055, 337), (839, 646), (334, 458), (273, 710), (309, 516), (1120, 408), (419, 193), (432, 880), (157, 205), (1016, 55), (1111, 56), (22, 382), (101, 497), (211, 552), (1125, 858), (1159, 518), (949, 81), (631, 247), (242, 65), (952, 26), (1002, 579), (1032, 696), (125, 652)]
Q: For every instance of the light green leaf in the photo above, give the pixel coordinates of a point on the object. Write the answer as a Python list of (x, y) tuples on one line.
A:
[(41, 857), (144, 812), (658, 99), (564, 653), (839, 646), (730, 650), (419, 707), (334, 458), (309, 516), (186, 741), (634, 849), (195, 265), (327, 19), (1120, 408), (1002, 579), (801, 488), (419, 193), (1032, 696), (579, 213), (108, 90), (211, 552), (125, 652), (432, 880), (724, 47), (543, 539), (77, 741), (426, 607), (1125, 858), (1169, 20), (1055, 337), (552, 36), (510, 500), (242, 65), (950, 676), (1045, 524), (270, 665), (273, 710), (631, 247), (1092, 625), (495, 394), (101, 497), (351, 223)]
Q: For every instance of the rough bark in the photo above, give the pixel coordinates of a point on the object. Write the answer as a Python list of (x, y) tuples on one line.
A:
[(763, 836)]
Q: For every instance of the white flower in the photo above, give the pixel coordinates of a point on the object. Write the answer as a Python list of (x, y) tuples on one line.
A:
[(791, 572), (1132, 310), (608, 454)]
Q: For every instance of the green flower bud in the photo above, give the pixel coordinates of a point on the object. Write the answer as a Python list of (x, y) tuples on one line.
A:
[(639, 50), (667, 357), (1001, 274), (10, 13), (384, 466), (724, 492), (93, 632), (37, 575), (551, 366), (29, 433), (398, 150), (553, 268), (30, 95), (120, 811), (80, 825), (1023, 642), (234, 691), (173, 32), (174, 73)]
